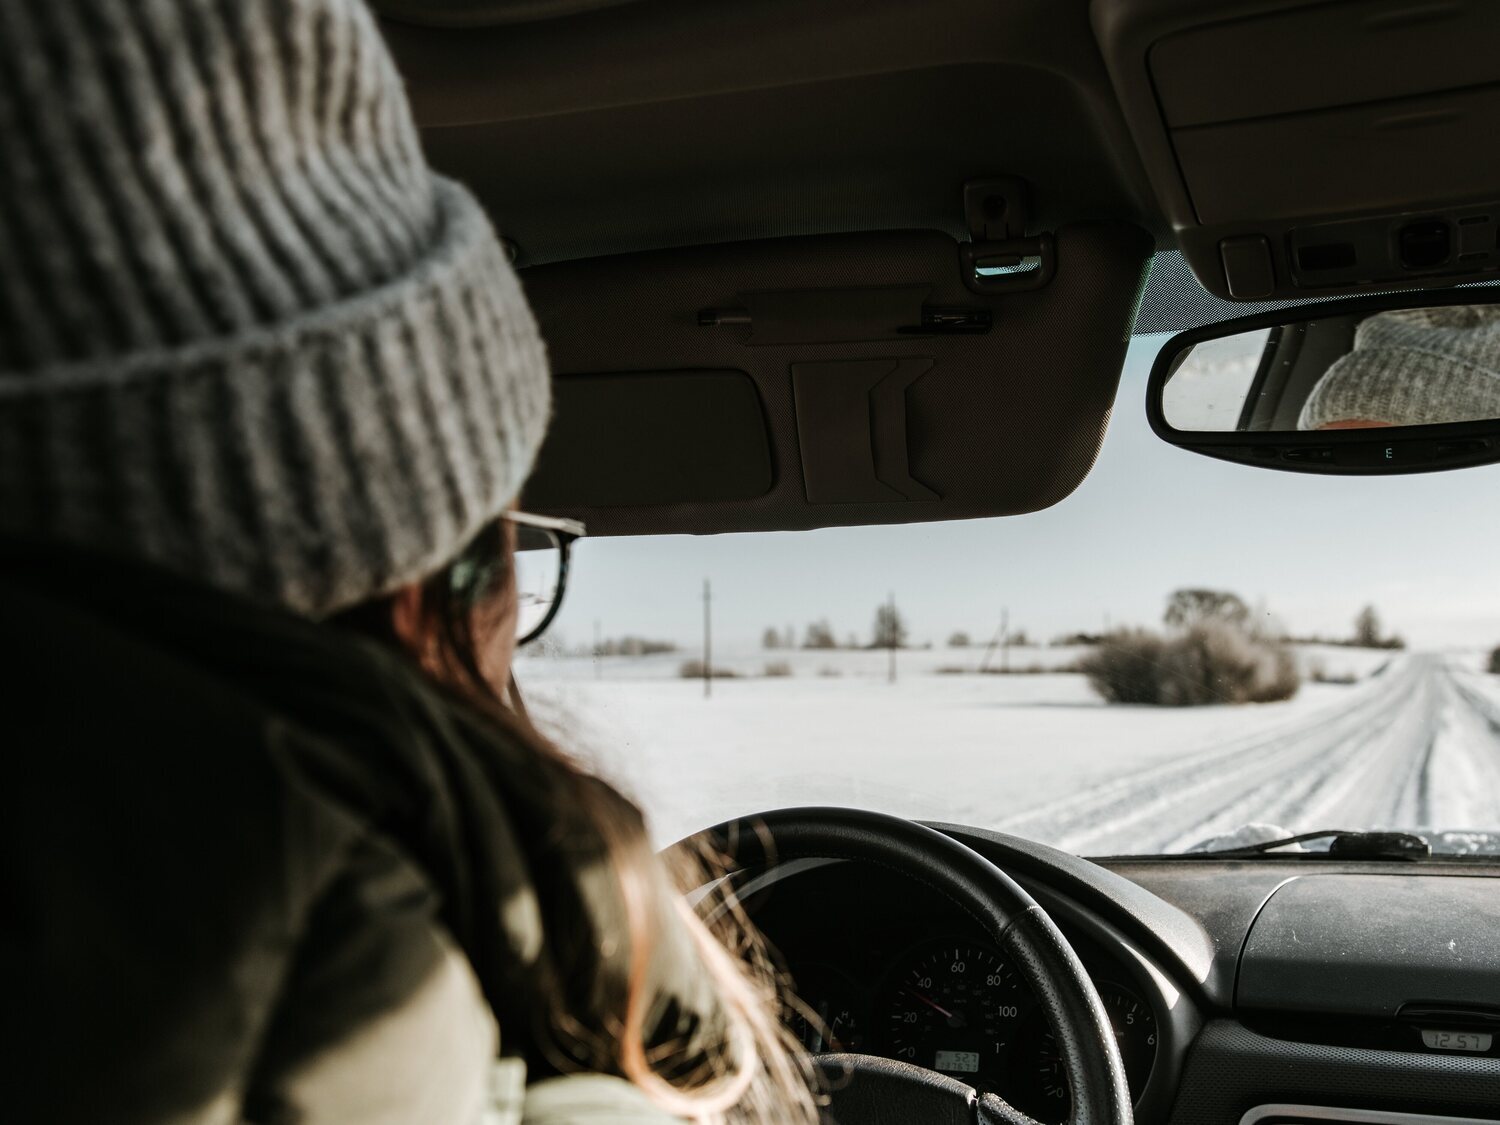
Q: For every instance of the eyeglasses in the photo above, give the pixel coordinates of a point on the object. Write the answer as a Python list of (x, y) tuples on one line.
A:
[(543, 546)]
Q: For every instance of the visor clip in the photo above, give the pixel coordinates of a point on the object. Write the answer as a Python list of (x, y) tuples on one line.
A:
[(999, 256)]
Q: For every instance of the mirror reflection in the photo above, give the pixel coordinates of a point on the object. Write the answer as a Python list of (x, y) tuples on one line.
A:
[(1404, 367)]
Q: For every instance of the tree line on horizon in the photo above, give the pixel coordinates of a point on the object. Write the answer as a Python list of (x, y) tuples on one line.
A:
[(1185, 611), (1185, 608)]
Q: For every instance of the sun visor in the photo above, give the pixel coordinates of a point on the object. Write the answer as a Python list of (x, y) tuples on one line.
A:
[(830, 381), (647, 438)]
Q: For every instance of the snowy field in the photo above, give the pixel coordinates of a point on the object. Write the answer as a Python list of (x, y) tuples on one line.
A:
[(1411, 742)]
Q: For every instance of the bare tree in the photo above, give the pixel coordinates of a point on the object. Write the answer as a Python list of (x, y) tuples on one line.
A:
[(819, 634), (1197, 606), (1367, 628), (771, 638), (890, 627), (959, 640)]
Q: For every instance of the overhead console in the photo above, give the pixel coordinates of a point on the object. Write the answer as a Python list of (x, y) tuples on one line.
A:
[(1310, 149)]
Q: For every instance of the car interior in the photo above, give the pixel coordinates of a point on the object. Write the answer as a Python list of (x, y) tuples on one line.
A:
[(826, 263)]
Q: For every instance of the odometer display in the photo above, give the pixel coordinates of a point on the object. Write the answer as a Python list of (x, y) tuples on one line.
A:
[(958, 1062), (955, 1009)]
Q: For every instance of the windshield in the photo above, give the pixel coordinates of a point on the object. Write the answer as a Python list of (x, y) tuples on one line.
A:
[(1181, 651)]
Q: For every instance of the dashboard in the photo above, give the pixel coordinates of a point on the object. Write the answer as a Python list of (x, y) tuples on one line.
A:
[(1231, 986), (888, 967)]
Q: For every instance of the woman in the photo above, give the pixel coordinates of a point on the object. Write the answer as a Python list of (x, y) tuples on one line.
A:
[(1412, 367), (273, 847)]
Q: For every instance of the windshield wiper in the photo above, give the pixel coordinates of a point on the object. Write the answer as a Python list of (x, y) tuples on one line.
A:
[(1345, 843)]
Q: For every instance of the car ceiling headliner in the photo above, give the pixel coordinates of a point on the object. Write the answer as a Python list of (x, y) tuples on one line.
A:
[(651, 159), (677, 122)]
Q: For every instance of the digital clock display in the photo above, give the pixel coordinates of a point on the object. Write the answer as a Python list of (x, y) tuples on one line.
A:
[(1457, 1040), (957, 1062)]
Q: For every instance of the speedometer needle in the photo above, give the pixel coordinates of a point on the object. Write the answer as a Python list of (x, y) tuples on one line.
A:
[(953, 1020)]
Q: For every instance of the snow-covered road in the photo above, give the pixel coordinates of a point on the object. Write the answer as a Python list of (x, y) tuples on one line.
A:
[(1417, 745), (1414, 742)]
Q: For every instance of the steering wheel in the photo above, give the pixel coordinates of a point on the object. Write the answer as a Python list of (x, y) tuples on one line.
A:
[(868, 1090)]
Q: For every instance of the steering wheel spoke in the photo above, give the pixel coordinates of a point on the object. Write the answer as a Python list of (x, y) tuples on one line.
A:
[(992, 1109)]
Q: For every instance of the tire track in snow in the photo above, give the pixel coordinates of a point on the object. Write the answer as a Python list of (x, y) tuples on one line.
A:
[(1466, 769), (1414, 746)]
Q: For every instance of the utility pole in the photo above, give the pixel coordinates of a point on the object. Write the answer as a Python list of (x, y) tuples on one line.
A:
[(891, 629), (708, 647)]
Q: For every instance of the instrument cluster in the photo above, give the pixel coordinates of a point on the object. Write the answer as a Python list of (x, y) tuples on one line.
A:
[(960, 1007), (884, 968)]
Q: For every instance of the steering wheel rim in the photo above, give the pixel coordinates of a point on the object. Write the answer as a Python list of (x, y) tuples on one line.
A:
[(1009, 917)]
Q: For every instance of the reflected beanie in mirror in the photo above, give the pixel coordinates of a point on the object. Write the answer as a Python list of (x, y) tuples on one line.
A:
[(1414, 367), (245, 333)]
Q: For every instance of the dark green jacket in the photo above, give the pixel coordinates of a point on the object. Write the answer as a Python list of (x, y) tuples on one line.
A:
[(234, 844)]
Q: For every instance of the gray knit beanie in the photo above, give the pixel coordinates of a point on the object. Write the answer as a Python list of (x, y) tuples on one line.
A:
[(245, 333), (1414, 367)]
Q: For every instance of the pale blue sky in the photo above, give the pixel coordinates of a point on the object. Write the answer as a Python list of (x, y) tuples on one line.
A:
[(1149, 518)]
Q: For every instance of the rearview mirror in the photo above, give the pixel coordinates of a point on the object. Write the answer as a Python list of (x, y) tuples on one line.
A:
[(1394, 384)]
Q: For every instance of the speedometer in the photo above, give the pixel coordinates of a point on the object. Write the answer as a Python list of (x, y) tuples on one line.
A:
[(957, 1009)]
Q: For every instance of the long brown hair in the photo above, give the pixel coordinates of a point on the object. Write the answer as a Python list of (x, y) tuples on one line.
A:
[(755, 1072)]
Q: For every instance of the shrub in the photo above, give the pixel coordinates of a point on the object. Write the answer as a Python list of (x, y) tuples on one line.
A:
[(1210, 662), (959, 640), (828, 672), (693, 670), (1495, 661), (777, 668), (1214, 662), (1321, 675), (1075, 640), (632, 646), (1032, 669), (1124, 668)]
